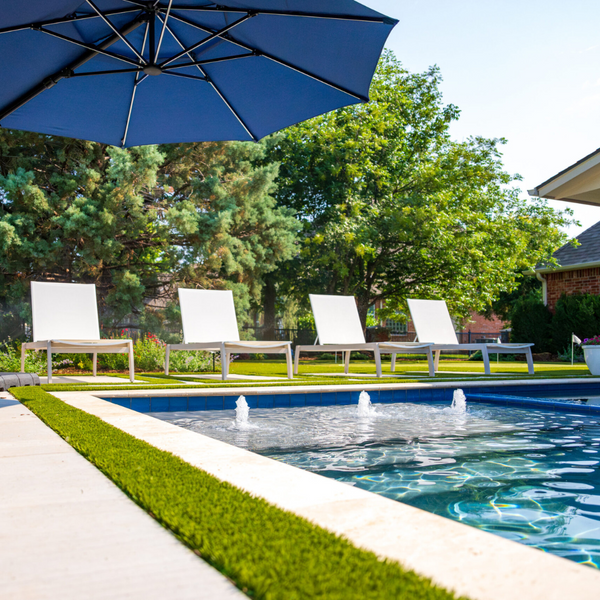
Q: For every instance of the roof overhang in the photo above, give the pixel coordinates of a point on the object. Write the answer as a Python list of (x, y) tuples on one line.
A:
[(578, 183), (558, 269)]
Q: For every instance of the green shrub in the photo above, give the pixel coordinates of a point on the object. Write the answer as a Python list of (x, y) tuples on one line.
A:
[(531, 322), (148, 352), (10, 359), (269, 553), (193, 362), (578, 314)]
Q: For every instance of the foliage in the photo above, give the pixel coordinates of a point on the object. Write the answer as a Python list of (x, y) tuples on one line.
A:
[(578, 314), (531, 322), (266, 551), (503, 306), (593, 341), (194, 362), (149, 355), (10, 359), (392, 207), (137, 221)]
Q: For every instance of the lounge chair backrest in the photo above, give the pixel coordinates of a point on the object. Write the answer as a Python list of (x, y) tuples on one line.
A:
[(208, 316), (337, 320), (64, 311), (432, 321)]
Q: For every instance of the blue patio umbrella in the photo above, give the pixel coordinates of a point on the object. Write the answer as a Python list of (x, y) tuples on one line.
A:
[(133, 72)]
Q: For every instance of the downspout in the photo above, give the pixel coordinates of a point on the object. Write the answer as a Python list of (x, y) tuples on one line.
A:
[(541, 278)]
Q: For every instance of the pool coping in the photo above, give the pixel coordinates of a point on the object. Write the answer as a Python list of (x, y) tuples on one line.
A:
[(461, 558)]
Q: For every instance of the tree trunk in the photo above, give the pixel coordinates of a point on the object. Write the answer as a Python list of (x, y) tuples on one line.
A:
[(270, 296), (363, 303)]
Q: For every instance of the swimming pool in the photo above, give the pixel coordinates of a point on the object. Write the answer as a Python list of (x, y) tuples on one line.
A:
[(526, 473)]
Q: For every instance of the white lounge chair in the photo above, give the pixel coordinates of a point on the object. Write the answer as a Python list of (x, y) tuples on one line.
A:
[(339, 330), (65, 321), (209, 323), (433, 324)]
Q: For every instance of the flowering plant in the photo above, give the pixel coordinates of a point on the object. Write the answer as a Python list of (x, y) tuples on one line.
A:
[(594, 341)]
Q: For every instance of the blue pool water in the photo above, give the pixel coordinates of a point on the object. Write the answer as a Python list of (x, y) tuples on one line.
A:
[(528, 474)]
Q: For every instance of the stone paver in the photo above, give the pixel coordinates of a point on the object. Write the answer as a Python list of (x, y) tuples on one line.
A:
[(67, 532)]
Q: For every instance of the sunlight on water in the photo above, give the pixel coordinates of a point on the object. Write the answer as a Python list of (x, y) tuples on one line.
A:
[(529, 475)]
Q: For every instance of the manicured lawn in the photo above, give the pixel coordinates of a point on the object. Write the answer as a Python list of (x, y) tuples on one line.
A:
[(313, 373), (462, 368), (269, 553)]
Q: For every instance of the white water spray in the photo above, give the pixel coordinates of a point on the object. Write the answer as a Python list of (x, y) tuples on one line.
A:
[(459, 402), (242, 413), (365, 408)]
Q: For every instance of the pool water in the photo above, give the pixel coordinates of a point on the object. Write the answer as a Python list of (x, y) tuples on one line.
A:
[(529, 475)]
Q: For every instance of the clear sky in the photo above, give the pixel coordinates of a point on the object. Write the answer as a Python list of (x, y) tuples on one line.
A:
[(525, 70)]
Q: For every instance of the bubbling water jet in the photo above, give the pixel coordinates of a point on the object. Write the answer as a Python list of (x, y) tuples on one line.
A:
[(459, 402), (242, 414), (365, 408)]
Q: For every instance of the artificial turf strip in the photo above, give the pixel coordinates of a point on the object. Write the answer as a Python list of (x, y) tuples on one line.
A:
[(268, 552)]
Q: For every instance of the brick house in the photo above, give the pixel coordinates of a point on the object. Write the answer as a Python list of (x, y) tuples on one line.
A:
[(578, 271)]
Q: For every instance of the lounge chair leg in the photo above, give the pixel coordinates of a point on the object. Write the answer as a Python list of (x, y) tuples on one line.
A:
[(430, 363), (49, 361), (486, 360), (346, 362), (288, 360), (224, 363), (95, 363), (131, 364), (23, 358), (529, 362), (377, 361), (436, 364), (296, 360), (167, 357), (393, 367)]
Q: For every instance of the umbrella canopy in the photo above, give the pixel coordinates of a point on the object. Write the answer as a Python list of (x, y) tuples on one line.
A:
[(132, 72)]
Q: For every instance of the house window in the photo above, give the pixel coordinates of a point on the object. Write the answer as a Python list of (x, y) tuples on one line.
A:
[(396, 326)]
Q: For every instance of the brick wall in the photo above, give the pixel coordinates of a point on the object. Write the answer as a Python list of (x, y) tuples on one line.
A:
[(579, 281), (476, 323)]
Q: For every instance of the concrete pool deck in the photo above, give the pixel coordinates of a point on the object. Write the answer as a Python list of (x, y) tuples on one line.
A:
[(66, 531), (469, 561)]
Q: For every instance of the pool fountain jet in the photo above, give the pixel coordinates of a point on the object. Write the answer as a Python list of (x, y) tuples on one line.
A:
[(242, 413), (459, 402), (365, 408)]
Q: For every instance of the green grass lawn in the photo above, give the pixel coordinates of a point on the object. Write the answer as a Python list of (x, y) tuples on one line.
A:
[(406, 369), (314, 373)]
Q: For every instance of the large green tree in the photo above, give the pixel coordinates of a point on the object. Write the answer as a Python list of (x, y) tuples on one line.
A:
[(392, 207), (137, 221)]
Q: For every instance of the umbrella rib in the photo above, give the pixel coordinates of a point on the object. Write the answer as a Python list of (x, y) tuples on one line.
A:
[(210, 61), (185, 76), (289, 13), (217, 90), (113, 72), (90, 47), (71, 19), (211, 37), (52, 80), (283, 63), (162, 33), (116, 31), (135, 84)]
